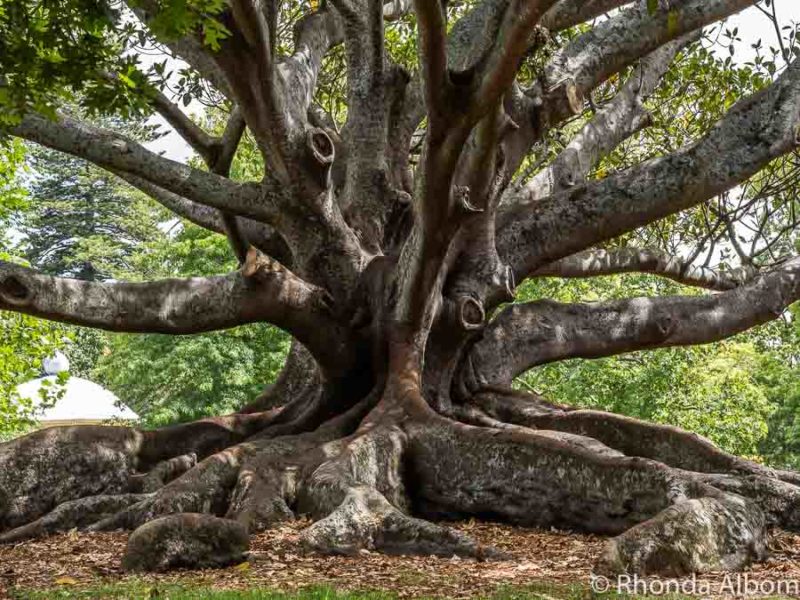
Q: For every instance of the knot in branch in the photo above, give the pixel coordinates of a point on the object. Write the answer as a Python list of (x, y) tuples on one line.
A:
[(471, 313), (14, 292), (461, 196), (321, 154), (257, 266), (321, 146)]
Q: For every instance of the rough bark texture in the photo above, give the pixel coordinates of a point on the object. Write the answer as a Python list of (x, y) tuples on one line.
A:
[(394, 412)]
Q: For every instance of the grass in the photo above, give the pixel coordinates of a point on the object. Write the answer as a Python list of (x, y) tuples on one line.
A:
[(144, 590), (136, 590)]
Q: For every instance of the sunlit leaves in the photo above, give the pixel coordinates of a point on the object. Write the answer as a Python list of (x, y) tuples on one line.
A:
[(52, 50), (176, 18)]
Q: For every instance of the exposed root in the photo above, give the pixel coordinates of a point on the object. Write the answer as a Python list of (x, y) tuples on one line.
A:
[(664, 443), (695, 536), (78, 513), (668, 522), (163, 473), (203, 489), (259, 499), (369, 482), (535, 479), (366, 520), (362, 503), (186, 540), (51, 466), (779, 500)]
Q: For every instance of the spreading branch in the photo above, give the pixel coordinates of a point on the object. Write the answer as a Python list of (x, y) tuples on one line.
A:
[(593, 263), (315, 35), (607, 48), (754, 132), (526, 335), (117, 153), (592, 57), (568, 13), (255, 233), (263, 291), (615, 122)]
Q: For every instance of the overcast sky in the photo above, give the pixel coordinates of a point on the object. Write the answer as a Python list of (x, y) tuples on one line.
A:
[(752, 23)]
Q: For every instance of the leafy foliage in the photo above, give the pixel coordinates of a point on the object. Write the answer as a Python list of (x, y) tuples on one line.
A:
[(168, 379), (85, 223), (24, 341), (52, 49)]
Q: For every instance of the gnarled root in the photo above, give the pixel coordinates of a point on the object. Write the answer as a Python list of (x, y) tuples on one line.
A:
[(667, 520), (72, 514), (361, 499), (694, 536), (368, 484), (664, 443), (51, 466), (366, 520)]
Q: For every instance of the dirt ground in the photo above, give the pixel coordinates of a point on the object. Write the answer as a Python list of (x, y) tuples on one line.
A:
[(277, 561)]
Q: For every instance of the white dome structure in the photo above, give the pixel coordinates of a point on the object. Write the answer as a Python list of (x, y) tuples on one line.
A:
[(83, 401), (58, 363)]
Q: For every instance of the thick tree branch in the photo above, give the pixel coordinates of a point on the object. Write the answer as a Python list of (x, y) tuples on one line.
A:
[(117, 153), (433, 61), (247, 60), (622, 117), (593, 263), (511, 42), (607, 48), (580, 66), (315, 34), (525, 335), (754, 132), (263, 291), (568, 13), (371, 83), (220, 163)]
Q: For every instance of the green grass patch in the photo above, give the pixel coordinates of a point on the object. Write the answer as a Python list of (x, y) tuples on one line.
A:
[(144, 590)]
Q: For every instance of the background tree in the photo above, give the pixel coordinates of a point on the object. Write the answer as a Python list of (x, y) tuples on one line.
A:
[(172, 379), (24, 341), (381, 237), (86, 223)]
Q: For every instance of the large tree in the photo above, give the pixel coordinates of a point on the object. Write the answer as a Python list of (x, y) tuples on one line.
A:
[(388, 248)]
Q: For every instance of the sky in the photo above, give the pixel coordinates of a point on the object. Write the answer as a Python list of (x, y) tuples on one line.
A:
[(753, 25)]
